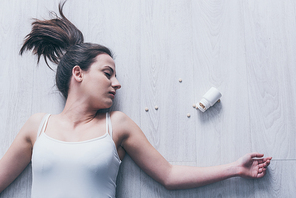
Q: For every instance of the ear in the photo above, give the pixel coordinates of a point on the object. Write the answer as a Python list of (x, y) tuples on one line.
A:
[(77, 73)]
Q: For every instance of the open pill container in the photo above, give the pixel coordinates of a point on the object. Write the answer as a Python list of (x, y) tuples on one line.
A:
[(209, 99)]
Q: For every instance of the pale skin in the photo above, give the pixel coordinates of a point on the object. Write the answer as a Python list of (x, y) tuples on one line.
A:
[(92, 90)]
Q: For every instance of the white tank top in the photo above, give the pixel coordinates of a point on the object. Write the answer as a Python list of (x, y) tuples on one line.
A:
[(74, 169)]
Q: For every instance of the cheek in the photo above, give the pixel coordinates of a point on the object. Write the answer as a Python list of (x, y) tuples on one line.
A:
[(102, 80)]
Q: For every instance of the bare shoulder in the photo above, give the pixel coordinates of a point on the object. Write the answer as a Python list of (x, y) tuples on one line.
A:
[(119, 116), (30, 128), (34, 121), (36, 118), (122, 122)]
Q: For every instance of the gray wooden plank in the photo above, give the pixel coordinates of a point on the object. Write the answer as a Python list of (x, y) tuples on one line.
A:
[(168, 128), (269, 37), (279, 181), (16, 89), (220, 62), (165, 57)]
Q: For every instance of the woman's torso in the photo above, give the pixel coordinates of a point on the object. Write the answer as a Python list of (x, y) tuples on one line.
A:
[(74, 169)]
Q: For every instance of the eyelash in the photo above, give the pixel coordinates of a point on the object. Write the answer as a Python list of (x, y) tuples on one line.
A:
[(107, 74)]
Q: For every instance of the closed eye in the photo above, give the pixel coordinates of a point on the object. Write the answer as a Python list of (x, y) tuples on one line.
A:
[(107, 75)]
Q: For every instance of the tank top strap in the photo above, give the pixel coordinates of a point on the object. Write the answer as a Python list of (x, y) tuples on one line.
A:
[(108, 124), (42, 125)]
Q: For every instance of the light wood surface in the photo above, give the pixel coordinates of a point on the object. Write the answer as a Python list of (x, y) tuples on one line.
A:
[(246, 49)]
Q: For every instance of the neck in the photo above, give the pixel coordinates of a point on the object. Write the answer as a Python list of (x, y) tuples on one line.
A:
[(78, 112)]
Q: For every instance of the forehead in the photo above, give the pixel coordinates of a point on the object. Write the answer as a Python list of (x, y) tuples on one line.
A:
[(103, 60)]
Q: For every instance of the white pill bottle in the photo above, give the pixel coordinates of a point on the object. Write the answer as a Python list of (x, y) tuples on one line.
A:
[(209, 99)]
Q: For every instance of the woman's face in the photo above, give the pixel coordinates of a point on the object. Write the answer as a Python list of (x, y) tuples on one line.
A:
[(99, 82)]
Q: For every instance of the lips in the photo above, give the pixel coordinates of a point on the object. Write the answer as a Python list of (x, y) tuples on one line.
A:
[(112, 93)]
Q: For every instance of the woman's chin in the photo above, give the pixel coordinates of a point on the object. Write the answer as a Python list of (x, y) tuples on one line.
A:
[(106, 105), (109, 104)]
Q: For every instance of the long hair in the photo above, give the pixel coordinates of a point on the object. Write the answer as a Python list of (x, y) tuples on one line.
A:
[(59, 41)]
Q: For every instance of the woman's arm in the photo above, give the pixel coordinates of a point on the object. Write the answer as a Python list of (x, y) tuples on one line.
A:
[(182, 177), (19, 153)]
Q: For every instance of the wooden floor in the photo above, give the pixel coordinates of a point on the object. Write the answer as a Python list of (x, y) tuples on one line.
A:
[(246, 49)]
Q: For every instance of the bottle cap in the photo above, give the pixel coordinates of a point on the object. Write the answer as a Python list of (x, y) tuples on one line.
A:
[(213, 95)]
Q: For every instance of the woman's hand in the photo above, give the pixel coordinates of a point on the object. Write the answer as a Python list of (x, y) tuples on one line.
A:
[(252, 165)]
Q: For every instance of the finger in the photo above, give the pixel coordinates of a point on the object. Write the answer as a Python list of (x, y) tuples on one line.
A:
[(264, 169), (264, 165), (266, 160), (256, 155), (260, 161), (261, 174), (261, 165)]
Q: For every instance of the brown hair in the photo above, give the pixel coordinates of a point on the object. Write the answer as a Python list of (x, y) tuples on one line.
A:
[(61, 42)]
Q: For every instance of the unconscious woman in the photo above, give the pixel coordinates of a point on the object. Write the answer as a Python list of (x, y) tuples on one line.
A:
[(77, 153)]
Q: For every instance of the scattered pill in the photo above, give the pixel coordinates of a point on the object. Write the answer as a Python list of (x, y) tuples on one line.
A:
[(156, 107), (188, 115), (146, 109), (180, 80), (194, 105)]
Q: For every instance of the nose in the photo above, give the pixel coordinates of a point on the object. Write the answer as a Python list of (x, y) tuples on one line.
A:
[(115, 84)]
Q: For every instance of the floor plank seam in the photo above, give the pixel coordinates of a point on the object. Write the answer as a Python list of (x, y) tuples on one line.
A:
[(283, 160)]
